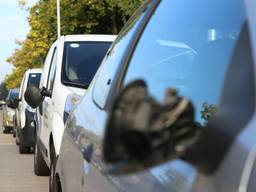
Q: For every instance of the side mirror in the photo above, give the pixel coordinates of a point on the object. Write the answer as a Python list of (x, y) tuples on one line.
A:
[(33, 96), (142, 133)]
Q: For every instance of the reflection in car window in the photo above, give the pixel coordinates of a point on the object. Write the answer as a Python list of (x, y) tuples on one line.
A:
[(113, 59), (191, 55), (81, 61)]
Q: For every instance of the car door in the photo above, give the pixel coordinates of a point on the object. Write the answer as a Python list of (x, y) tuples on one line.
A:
[(183, 58), (21, 107), (48, 108)]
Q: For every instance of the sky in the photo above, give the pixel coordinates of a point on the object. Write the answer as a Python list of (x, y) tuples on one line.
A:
[(13, 26)]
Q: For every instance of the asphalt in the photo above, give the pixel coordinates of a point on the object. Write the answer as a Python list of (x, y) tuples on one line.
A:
[(16, 170)]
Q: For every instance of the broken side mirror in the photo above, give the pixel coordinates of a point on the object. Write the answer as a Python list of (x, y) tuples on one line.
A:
[(142, 132), (33, 96)]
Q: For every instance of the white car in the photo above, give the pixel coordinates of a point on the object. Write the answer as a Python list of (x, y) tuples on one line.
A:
[(70, 65), (24, 127)]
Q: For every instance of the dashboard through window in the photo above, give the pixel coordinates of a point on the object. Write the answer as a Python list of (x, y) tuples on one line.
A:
[(188, 45), (81, 61)]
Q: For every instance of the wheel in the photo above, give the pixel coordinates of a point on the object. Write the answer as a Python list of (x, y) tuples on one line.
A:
[(5, 130), (17, 142), (54, 182), (17, 139), (53, 185), (22, 147), (13, 133), (40, 167)]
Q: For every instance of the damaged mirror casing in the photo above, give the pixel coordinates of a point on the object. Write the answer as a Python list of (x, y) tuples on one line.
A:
[(142, 133), (33, 96)]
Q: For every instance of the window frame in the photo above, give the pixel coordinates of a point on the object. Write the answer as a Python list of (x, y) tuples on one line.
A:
[(55, 52)]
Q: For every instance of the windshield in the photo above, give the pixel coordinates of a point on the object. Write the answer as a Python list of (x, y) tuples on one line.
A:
[(34, 79), (14, 94), (81, 61), (189, 50)]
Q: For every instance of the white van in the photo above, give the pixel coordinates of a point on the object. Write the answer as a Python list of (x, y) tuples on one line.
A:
[(70, 65), (24, 128)]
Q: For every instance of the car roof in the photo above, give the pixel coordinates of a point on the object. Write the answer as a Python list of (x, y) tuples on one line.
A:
[(16, 90), (35, 70), (90, 37)]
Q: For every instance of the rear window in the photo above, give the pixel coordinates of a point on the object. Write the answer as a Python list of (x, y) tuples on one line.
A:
[(34, 79), (81, 61)]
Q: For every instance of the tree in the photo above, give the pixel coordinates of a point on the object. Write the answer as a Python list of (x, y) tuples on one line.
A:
[(77, 17), (3, 91), (208, 112)]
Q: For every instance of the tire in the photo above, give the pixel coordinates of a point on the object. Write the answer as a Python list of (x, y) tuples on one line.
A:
[(40, 167), (13, 133), (54, 182), (22, 148), (5, 130), (53, 185), (17, 139)]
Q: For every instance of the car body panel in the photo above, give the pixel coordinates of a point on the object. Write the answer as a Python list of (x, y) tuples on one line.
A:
[(87, 125)]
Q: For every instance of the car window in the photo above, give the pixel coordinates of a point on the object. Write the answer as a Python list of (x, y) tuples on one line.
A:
[(14, 94), (81, 61), (52, 71), (112, 60), (191, 55), (34, 79)]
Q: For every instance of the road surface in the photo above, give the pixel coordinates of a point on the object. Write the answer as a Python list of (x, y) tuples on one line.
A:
[(16, 170)]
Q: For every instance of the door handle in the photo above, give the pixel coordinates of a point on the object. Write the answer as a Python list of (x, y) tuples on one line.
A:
[(87, 151)]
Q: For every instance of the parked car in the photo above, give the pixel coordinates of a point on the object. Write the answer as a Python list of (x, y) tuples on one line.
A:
[(24, 128), (2, 103), (171, 107), (69, 68), (9, 110)]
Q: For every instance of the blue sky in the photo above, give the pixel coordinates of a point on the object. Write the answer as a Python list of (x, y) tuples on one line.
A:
[(13, 25)]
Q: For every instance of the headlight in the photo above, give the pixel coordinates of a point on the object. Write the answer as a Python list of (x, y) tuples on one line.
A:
[(71, 102)]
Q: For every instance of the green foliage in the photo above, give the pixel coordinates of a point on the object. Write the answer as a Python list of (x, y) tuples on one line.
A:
[(208, 111), (77, 17), (3, 91)]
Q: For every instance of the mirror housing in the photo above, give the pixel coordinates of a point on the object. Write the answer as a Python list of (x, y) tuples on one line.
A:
[(142, 133), (33, 96)]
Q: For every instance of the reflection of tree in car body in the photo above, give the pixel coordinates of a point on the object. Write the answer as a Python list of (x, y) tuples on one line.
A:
[(208, 111)]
